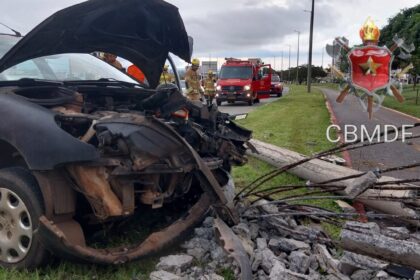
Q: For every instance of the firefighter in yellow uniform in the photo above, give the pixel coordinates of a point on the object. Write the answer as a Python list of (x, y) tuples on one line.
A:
[(165, 77), (192, 80), (209, 87)]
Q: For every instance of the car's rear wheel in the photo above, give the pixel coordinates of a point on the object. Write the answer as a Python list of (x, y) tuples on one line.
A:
[(250, 102), (21, 205), (280, 94), (218, 102)]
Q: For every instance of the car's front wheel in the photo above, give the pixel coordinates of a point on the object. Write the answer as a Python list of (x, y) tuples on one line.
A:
[(21, 205)]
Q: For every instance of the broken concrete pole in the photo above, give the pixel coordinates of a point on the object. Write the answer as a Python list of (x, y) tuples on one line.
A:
[(360, 185), (350, 262), (318, 171), (376, 245)]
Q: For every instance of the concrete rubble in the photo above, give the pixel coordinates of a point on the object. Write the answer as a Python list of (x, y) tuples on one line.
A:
[(276, 253)]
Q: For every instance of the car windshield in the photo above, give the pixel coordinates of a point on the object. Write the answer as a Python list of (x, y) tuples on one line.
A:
[(236, 72), (62, 67)]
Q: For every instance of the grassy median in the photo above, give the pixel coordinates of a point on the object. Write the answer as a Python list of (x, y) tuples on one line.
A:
[(297, 121), (411, 104)]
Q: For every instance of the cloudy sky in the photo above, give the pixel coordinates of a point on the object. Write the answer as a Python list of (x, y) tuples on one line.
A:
[(246, 28)]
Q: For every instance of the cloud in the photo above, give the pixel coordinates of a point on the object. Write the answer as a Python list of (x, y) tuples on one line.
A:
[(249, 28), (243, 28)]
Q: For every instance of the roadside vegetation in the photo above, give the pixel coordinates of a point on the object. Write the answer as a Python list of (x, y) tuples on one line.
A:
[(409, 106), (297, 121)]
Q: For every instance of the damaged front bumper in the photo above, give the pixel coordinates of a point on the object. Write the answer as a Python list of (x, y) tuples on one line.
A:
[(68, 243)]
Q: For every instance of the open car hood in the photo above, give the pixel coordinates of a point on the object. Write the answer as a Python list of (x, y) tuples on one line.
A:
[(141, 31)]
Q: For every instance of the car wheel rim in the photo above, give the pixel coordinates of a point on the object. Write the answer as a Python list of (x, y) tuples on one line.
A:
[(15, 227)]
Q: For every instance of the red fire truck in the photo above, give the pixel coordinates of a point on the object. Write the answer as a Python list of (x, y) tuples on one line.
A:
[(243, 80)]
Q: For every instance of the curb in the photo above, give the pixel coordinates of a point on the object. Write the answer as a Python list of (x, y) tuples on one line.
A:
[(333, 119), (403, 114)]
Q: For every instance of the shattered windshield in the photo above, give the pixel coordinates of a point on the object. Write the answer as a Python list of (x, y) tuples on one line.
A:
[(236, 72), (65, 67)]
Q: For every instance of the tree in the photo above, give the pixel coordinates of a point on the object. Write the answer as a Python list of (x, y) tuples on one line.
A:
[(407, 25), (317, 72)]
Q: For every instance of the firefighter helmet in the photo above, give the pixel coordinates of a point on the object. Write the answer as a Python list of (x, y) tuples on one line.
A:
[(210, 73), (166, 67), (195, 62)]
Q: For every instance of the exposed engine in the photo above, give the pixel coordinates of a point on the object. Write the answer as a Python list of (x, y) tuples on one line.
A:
[(151, 144)]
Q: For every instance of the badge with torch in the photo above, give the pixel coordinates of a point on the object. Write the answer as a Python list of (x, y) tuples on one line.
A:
[(369, 77)]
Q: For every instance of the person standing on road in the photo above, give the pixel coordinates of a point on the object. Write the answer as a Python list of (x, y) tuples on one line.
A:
[(112, 59), (209, 87), (165, 77), (192, 81)]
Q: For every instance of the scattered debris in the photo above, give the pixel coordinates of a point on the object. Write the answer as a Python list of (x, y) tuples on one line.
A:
[(302, 252), (345, 207)]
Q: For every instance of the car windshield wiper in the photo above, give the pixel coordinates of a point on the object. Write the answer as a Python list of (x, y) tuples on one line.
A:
[(107, 81), (30, 82)]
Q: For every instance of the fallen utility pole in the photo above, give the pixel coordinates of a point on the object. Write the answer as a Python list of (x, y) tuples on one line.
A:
[(380, 246), (318, 171)]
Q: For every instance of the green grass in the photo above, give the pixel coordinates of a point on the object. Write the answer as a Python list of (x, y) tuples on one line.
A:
[(70, 271), (409, 106), (298, 122)]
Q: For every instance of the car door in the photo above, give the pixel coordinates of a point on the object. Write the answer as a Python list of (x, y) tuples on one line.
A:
[(265, 83)]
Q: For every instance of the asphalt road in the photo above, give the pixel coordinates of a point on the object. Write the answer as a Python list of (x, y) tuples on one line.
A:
[(244, 108), (384, 155)]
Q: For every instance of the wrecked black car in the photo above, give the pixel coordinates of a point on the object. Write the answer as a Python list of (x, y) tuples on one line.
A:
[(85, 149)]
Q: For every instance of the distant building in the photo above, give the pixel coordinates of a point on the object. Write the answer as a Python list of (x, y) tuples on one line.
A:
[(208, 65)]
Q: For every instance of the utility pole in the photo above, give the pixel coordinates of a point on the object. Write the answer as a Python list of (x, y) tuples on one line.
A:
[(297, 64), (290, 46), (274, 63), (311, 37)]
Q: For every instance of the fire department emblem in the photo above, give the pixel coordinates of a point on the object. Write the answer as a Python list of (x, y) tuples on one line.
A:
[(369, 76), (370, 68)]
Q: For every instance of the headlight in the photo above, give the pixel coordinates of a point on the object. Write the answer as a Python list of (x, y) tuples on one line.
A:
[(217, 95), (248, 95), (219, 88), (247, 87)]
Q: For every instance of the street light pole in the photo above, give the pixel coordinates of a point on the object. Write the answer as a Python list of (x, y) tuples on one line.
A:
[(297, 64), (281, 68), (311, 37), (290, 46)]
